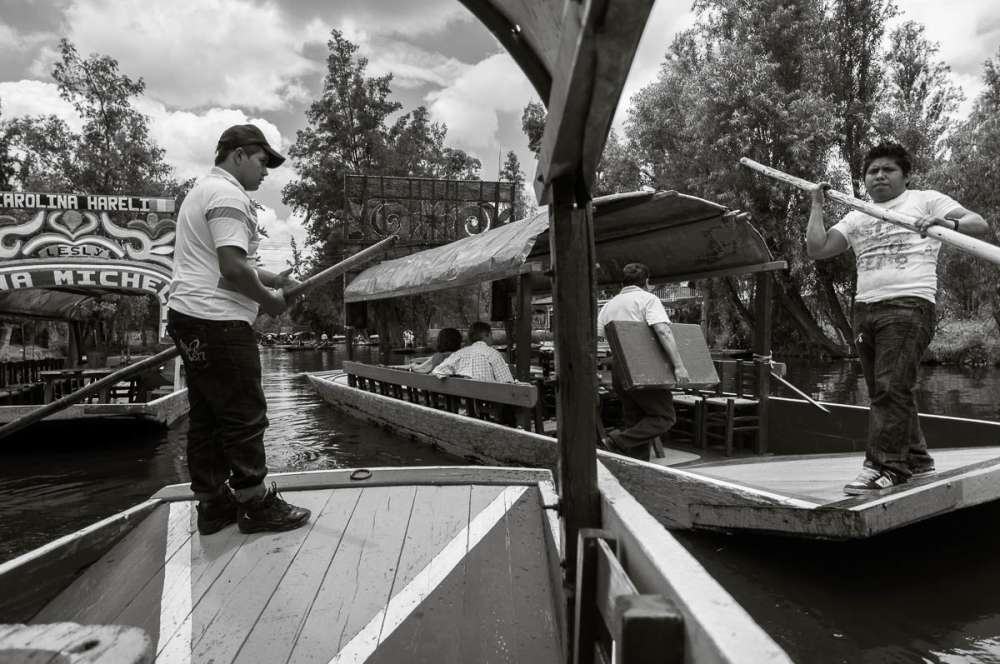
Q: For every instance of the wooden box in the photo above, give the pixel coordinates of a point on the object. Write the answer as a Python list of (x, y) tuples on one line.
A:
[(644, 363)]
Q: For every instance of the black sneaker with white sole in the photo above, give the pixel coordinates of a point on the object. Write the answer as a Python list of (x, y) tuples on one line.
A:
[(873, 481), (270, 513), (217, 513)]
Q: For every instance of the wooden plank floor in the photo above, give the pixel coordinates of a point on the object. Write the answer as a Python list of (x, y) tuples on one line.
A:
[(821, 478), (392, 573)]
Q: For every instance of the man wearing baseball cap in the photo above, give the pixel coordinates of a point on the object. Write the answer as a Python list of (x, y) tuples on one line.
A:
[(214, 298)]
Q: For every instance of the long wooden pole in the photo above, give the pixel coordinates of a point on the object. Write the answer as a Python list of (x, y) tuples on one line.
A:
[(978, 248), (571, 244), (318, 279)]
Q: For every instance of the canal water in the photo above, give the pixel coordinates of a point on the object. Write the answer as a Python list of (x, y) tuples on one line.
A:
[(928, 593)]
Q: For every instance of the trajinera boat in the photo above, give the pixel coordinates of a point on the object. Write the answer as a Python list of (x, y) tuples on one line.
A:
[(743, 459), (475, 564)]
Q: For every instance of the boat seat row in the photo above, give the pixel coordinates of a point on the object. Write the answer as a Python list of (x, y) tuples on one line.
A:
[(508, 403)]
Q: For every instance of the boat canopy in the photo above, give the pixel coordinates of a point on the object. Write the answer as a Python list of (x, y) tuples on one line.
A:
[(679, 237), (44, 303)]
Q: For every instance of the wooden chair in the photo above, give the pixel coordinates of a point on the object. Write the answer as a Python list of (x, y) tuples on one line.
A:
[(689, 407), (734, 416)]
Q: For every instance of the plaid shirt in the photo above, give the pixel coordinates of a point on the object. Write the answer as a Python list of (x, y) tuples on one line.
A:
[(478, 361)]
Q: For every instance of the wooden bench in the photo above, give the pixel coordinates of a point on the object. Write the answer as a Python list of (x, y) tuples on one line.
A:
[(609, 609), (476, 398)]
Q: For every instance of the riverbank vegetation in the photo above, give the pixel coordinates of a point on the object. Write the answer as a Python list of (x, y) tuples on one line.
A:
[(806, 87)]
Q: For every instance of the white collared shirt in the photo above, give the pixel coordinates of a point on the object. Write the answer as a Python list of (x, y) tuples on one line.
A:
[(632, 304), (217, 212)]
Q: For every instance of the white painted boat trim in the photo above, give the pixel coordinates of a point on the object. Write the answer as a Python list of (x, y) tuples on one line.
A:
[(174, 643), (385, 622)]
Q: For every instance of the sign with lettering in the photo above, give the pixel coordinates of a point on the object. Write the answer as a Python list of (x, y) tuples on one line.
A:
[(135, 278), (81, 242), (13, 200)]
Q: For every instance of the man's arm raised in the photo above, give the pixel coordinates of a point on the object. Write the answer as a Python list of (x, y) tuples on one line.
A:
[(821, 243)]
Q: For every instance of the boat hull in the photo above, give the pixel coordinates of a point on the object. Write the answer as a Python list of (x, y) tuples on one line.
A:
[(752, 494)]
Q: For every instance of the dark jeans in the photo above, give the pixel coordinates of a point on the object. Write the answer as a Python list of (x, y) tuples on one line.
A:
[(646, 414), (892, 336), (228, 410)]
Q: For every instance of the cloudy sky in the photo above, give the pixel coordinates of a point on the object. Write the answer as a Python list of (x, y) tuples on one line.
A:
[(209, 64)]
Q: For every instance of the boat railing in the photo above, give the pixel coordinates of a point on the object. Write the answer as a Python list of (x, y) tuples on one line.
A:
[(21, 379), (609, 609), (510, 403)]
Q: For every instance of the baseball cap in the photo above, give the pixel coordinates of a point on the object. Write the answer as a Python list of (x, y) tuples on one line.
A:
[(239, 136)]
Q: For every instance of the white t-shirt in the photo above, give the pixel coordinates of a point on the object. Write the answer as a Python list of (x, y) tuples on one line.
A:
[(632, 304), (893, 261), (216, 213)]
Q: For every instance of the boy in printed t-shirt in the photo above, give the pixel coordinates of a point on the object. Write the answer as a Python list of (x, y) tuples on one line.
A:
[(894, 306)]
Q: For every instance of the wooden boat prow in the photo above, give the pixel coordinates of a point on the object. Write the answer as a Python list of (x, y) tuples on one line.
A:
[(442, 564)]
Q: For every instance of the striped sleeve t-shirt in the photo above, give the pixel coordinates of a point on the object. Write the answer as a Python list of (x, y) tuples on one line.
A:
[(217, 212)]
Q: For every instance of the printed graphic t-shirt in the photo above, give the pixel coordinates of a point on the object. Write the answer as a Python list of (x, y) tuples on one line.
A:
[(216, 213), (893, 261)]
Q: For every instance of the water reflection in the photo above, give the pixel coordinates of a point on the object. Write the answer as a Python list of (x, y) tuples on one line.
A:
[(972, 392), (58, 477)]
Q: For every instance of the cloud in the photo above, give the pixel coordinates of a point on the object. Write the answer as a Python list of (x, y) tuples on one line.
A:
[(30, 98), (385, 16), (411, 66), (968, 31), (275, 250), (195, 53), (189, 138), (471, 103), (13, 42), (665, 21)]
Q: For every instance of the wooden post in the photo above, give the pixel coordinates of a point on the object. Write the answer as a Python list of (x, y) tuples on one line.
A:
[(524, 293), (571, 241), (761, 350), (523, 366)]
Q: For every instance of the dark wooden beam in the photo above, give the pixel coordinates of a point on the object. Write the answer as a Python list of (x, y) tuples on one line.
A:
[(571, 239), (524, 316), (596, 48), (761, 349), (509, 34)]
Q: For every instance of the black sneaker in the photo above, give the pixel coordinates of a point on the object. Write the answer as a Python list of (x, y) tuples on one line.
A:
[(873, 481), (217, 513), (271, 513)]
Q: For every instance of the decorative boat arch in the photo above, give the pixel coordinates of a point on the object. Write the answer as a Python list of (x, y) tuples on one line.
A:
[(76, 246)]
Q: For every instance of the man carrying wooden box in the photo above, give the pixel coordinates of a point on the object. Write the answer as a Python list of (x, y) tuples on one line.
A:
[(647, 413)]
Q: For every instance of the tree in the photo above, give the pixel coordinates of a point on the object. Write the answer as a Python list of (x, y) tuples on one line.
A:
[(920, 98), (349, 133), (748, 79), (618, 170), (970, 176), (115, 153), (533, 125), (511, 172), (346, 134)]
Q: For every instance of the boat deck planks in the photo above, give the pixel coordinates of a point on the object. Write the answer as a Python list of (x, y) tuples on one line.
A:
[(429, 571), (965, 477)]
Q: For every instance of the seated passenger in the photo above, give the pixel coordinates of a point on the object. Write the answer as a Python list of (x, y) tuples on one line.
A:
[(448, 341), (479, 360)]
